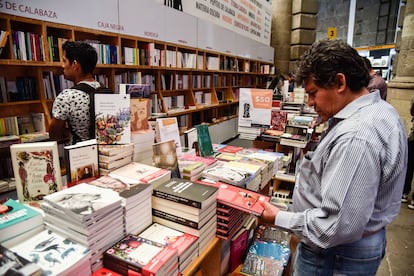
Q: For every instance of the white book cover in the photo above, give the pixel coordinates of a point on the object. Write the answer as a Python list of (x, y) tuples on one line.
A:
[(37, 170), (81, 161), (113, 118), (55, 254), (84, 201), (135, 173), (168, 130), (255, 107)]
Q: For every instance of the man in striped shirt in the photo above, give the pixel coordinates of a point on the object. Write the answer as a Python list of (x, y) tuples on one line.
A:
[(350, 187)]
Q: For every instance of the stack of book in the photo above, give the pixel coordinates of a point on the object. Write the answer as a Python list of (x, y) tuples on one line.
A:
[(136, 202), (136, 173), (143, 140), (188, 207), (227, 175), (88, 214), (229, 221), (186, 244), (255, 171), (55, 254), (112, 157), (132, 256), (18, 222), (191, 170)]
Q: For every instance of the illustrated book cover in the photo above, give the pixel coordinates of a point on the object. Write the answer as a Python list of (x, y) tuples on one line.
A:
[(16, 219), (144, 258), (14, 264), (165, 156), (140, 111), (135, 90), (84, 201), (81, 161), (37, 170), (227, 175), (112, 118), (55, 254), (187, 192), (135, 173), (167, 128)]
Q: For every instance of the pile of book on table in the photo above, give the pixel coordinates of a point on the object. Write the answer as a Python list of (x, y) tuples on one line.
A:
[(188, 207), (112, 157)]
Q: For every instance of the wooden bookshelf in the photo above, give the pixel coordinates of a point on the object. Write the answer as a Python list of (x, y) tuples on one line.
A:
[(216, 75)]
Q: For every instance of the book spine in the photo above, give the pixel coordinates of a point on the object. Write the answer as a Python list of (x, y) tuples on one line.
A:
[(175, 219), (177, 199), (120, 266)]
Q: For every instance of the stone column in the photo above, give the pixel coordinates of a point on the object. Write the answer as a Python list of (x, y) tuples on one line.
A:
[(401, 88), (281, 29)]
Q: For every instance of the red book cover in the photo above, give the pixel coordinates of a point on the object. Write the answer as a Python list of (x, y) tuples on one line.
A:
[(133, 254), (230, 149), (238, 198), (103, 271), (238, 249)]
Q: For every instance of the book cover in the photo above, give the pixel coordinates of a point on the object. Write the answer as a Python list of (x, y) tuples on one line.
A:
[(204, 140), (84, 201), (112, 118), (238, 198), (17, 218), (238, 247), (227, 175), (81, 161), (229, 149), (14, 264), (165, 236), (132, 254), (135, 173), (55, 254), (135, 90), (279, 119), (187, 192), (37, 170), (139, 114), (165, 157), (167, 129), (109, 182)]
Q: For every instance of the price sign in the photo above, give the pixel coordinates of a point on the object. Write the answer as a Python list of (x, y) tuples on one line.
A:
[(332, 33), (255, 106)]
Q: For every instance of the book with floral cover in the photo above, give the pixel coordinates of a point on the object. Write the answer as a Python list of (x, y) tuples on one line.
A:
[(37, 170), (112, 118)]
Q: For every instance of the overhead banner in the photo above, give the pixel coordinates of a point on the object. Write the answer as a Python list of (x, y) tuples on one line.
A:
[(251, 18)]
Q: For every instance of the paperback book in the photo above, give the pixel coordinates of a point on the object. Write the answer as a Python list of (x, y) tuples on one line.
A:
[(47, 249), (37, 170), (165, 157), (81, 161), (135, 173), (14, 264), (187, 192), (143, 258), (112, 118), (204, 140), (16, 219)]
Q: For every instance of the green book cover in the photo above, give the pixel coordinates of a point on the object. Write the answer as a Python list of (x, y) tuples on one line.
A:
[(204, 141), (16, 213)]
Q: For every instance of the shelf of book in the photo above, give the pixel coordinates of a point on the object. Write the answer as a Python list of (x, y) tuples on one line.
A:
[(197, 80)]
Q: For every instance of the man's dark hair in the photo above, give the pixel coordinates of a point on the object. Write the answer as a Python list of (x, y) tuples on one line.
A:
[(326, 58), (368, 64), (83, 53)]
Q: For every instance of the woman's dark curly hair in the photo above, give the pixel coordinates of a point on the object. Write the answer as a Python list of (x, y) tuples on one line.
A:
[(326, 58)]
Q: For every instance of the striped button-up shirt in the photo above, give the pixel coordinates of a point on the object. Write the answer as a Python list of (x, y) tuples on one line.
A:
[(352, 183)]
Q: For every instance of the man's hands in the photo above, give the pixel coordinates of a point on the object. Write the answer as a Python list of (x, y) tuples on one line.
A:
[(269, 213)]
